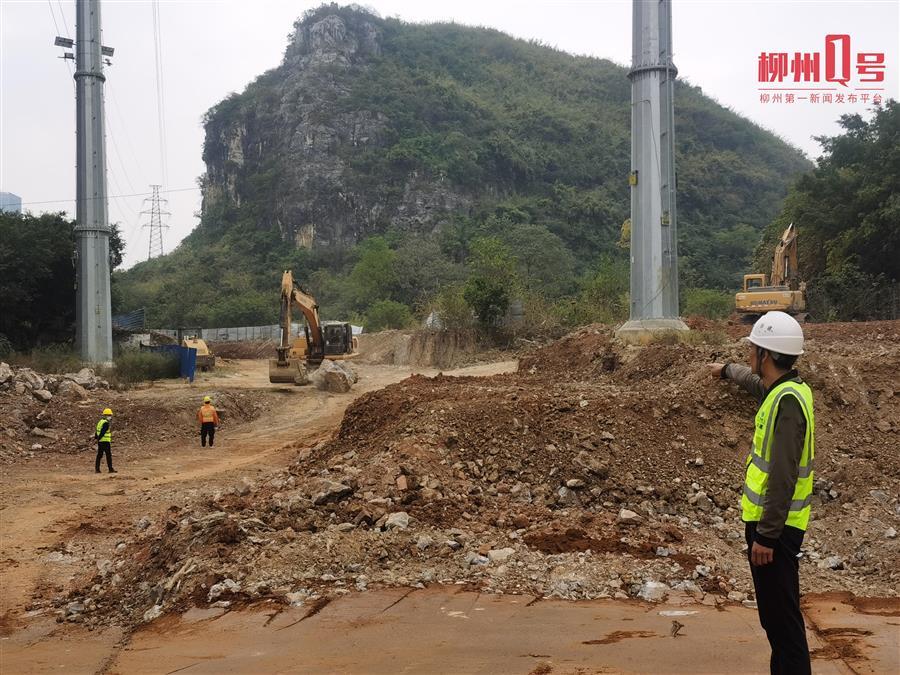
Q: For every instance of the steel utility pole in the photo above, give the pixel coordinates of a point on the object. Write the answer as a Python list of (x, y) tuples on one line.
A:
[(654, 233), (93, 323)]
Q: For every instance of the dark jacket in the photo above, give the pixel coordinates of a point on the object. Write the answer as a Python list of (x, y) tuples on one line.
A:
[(787, 450)]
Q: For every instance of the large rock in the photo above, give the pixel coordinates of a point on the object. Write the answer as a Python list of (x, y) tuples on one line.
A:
[(42, 395), (653, 591), (6, 373), (397, 521), (329, 491), (70, 389), (221, 588), (499, 555), (628, 517), (84, 378), (30, 379), (335, 377)]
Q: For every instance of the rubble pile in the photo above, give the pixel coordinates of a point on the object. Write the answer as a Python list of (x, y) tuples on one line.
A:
[(42, 413), (597, 470)]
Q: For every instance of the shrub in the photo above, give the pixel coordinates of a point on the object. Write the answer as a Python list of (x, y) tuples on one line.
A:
[(387, 314), (708, 303), (133, 366), (488, 298), (453, 310), (604, 296)]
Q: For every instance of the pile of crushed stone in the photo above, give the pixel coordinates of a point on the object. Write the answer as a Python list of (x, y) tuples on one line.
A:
[(596, 470)]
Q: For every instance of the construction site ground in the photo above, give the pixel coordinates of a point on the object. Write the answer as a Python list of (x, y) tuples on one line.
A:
[(573, 513)]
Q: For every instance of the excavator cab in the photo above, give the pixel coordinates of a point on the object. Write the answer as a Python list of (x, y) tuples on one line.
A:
[(337, 338), (752, 281)]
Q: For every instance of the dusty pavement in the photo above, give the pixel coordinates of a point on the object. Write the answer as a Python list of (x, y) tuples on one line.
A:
[(594, 472)]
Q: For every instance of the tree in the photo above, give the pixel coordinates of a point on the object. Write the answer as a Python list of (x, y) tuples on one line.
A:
[(37, 277), (544, 263), (493, 278), (387, 314), (847, 212), (374, 275)]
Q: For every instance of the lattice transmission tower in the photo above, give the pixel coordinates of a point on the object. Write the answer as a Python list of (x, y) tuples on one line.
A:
[(156, 224)]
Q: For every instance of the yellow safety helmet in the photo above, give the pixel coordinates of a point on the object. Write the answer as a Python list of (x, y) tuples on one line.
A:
[(206, 399), (107, 411)]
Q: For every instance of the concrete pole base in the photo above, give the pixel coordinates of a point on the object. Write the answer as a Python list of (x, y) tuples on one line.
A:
[(643, 331)]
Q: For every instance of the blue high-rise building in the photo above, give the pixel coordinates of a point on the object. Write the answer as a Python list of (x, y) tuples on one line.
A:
[(10, 202)]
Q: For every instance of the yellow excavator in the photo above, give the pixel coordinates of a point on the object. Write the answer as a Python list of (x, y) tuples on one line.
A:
[(785, 292), (332, 340)]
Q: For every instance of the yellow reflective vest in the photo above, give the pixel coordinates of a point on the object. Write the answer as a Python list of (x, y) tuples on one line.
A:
[(758, 461), (107, 437)]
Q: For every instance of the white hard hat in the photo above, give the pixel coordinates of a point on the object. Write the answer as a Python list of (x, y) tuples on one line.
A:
[(778, 332)]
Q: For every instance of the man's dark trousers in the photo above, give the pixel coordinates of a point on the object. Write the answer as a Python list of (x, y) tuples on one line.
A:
[(103, 447), (207, 429), (778, 601)]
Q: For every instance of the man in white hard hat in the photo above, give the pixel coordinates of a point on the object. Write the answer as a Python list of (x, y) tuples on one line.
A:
[(775, 504)]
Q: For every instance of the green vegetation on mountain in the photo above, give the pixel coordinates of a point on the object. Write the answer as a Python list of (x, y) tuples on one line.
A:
[(382, 161), (847, 213)]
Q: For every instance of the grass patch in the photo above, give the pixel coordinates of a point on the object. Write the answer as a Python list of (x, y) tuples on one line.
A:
[(689, 337), (134, 366), (50, 359)]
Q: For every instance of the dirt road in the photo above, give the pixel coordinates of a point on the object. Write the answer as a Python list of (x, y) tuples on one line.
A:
[(58, 517), (53, 500)]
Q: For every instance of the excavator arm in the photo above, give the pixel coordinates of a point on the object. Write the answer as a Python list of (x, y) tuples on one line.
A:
[(292, 295), (784, 265)]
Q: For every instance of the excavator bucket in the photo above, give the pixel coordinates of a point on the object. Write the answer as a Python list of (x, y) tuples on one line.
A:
[(289, 371)]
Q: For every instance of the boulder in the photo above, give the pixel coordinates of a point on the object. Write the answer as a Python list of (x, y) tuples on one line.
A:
[(628, 517), (398, 520), (42, 395), (224, 586), (335, 377), (153, 613), (30, 379), (567, 497), (69, 389), (6, 373), (325, 491), (653, 591), (500, 554), (84, 378)]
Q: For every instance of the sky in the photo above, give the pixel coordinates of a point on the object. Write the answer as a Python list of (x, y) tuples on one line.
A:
[(211, 48)]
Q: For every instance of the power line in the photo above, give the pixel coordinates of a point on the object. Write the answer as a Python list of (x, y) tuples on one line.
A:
[(53, 15), (160, 92), (118, 155), (135, 194), (124, 127), (56, 26), (63, 15)]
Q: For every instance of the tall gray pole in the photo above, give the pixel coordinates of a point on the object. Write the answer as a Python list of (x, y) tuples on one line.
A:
[(654, 233), (93, 323)]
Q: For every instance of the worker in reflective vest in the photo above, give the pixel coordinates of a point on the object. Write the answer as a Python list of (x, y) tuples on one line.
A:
[(775, 501), (103, 435), (209, 421)]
